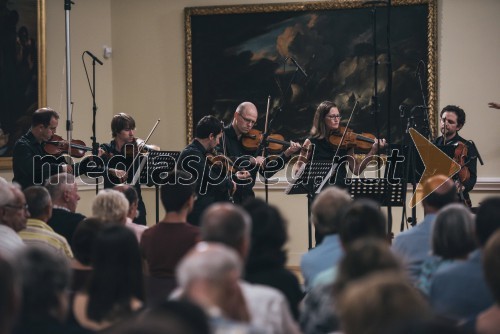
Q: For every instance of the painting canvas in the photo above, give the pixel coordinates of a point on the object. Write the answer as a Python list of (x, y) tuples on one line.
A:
[(247, 53), (22, 76)]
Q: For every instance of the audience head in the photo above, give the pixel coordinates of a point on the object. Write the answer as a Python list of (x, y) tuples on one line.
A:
[(84, 238), (441, 190), (227, 224), (132, 198), (361, 219), (39, 202), (453, 235), (364, 257), (327, 208), (13, 209), (110, 206), (177, 194), (378, 303), (9, 296), (117, 275), (63, 190), (491, 265), (268, 237), (487, 219), (46, 277)]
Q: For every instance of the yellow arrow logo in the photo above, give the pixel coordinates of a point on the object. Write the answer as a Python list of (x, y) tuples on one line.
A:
[(436, 163)]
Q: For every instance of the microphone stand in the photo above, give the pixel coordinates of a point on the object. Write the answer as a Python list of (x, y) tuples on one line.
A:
[(427, 129), (69, 125)]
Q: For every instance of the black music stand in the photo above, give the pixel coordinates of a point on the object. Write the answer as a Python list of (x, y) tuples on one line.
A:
[(154, 170), (379, 190), (311, 177)]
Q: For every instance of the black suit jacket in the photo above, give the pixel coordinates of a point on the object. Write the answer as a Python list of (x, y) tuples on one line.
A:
[(65, 223)]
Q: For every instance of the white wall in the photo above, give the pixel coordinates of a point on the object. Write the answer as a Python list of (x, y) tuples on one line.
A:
[(146, 78)]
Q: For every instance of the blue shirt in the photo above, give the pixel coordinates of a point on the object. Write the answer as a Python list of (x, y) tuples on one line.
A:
[(320, 258)]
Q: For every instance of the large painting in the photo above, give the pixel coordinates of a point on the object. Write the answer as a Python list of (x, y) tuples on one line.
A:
[(22, 70), (249, 52)]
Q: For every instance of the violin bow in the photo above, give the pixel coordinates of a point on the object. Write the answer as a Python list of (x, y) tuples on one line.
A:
[(139, 150), (346, 127)]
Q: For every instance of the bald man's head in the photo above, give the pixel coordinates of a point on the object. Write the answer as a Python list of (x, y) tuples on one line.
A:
[(441, 190)]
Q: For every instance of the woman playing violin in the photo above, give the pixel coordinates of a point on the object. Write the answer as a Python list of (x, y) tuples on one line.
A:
[(318, 147), (123, 132)]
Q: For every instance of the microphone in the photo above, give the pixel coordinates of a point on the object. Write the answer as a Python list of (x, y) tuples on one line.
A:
[(93, 57), (298, 67)]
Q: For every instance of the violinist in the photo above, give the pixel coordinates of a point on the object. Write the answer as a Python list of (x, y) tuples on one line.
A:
[(327, 121), (123, 133), (451, 120), (244, 119), (29, 171), (212, 184)]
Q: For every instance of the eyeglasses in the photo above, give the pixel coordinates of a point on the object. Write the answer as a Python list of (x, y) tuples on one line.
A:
[(249, 121), (333, 116), (18, 207)]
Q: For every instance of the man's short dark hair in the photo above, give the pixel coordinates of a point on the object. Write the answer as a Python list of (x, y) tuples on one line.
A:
[(457, 110), (206, 126), (84, 237), (121, 121), (487, 219), (43, 116), (175, 192), (439, 200), (38, 199)]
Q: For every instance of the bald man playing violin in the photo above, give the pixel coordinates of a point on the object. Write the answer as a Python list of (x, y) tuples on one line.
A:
[(31, 164), (244, 119)]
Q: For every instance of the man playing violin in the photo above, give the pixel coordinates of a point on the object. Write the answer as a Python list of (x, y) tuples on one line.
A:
[(317, 147), (451, 120), (28, 170), (244, 119), (213, 184), (115, 156)]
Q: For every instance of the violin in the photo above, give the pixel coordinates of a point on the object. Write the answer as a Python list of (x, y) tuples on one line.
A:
[(275, 142), (57, 146), (225, 163), (360, 141)]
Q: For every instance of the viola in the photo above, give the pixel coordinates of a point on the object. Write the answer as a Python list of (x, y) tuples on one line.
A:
[(222, 161), (57, 146), (459, 157), (252, 140), (360, 141)]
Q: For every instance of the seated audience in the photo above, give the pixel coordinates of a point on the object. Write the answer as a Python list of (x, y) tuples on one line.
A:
[(133, 202), (10, 295), (325, 217), (459, 291), (380, 303), (267, 258), (45, 278), (115, 290), (452, 240), (414, 245), (209, 276), (230, 225), (63, 191), (13, 214), (37, 232)]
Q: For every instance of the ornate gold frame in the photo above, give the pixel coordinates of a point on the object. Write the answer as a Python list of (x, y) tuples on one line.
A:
[(311, 6), (6, 163)]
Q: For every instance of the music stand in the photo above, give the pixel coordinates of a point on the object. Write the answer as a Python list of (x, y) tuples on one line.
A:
[(154, 170), (311, 177), (379, 190)]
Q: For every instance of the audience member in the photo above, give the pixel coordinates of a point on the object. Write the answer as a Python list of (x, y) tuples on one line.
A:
[(452, 239), (83, 242), (360, 219), (10, 296), (63, 191), (488, 322), (110, 207), (37, 231), (267, 258), (45, 277), (209, 276), (364, 257), (379, 303), (133, 203), (459, 290), (414, 245), (230, 225), (325, 217), (13, 214), (115, 289)]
